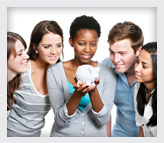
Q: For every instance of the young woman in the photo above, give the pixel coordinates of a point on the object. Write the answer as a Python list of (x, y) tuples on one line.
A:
[(81, 110), (17, 61), (27, 117), (146, 100)]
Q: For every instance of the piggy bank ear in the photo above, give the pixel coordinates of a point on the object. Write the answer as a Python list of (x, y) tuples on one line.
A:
[(90, 69)]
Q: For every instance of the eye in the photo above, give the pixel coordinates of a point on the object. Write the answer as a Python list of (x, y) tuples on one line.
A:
[(47, 46), (94, 44), (59, 45), (81, 44), (19, 54), (144, 66)]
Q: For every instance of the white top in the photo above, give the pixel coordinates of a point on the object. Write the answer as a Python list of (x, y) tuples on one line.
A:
[(148, 131)]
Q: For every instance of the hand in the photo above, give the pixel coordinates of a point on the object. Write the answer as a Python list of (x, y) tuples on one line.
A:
[(81, 88), (96, 83)]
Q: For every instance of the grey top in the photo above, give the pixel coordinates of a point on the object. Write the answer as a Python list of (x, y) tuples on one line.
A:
[(86, 123), (27, 116)]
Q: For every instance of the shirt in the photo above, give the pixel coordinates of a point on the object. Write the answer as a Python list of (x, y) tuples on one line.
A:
[(149, 131), (86, 123), (27, 116), (125, 125)]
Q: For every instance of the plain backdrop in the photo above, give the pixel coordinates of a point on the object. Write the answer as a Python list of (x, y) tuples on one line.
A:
[(23, 20)]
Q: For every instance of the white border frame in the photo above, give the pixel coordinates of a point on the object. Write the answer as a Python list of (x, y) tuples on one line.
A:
[(74, 3)]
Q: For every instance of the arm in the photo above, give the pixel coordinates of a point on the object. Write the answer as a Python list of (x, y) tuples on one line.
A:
[(107, 91), (64, 111), (141, 134), (108, 127)]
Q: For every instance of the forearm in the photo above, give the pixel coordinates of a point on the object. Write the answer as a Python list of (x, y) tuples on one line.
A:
[(73, 103), (96, 101), (141, 134)]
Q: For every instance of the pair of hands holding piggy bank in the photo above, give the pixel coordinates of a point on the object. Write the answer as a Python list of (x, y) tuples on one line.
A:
[(86, 78)]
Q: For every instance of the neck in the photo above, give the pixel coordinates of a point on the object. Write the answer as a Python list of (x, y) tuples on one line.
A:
[(149, 86), (10, 75), (77, 63), (38, 64)]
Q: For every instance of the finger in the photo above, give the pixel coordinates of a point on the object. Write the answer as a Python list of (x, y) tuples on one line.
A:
[(74, 77)]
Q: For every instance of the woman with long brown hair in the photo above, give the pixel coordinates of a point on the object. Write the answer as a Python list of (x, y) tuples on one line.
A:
[(32, 101), (17, 60)]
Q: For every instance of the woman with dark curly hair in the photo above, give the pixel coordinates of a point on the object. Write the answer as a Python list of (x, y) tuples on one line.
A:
[(81, 110)]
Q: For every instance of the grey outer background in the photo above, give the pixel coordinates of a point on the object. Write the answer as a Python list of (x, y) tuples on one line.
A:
[(76, 3)]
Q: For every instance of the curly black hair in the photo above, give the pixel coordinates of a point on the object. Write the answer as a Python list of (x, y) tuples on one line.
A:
[(84, 22)]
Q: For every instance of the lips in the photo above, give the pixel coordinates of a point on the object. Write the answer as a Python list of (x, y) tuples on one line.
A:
[(52, 58), (25, 63), (137, 76), (86, 57)]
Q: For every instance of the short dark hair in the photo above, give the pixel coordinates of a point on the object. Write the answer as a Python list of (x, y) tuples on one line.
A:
[(39, 31), (84, 22), (151, 48), (127, 30)]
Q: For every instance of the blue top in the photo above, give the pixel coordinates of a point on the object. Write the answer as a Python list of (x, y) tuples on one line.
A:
[(125, 125), (84, 100)]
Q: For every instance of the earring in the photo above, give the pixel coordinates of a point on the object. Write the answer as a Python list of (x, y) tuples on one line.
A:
[(36, 52)]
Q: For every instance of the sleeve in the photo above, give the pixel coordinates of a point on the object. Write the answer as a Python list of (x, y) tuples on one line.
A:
[(56, 96), (107, 97), (138, 118)]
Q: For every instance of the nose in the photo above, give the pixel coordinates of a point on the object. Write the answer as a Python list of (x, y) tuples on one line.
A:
[(137, 67), (116, 58), (87, 48), (26, 56), (53, 50)]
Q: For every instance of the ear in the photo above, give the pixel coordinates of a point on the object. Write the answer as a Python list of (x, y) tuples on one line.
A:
[(71, 42), (34, 47), (138, 50)]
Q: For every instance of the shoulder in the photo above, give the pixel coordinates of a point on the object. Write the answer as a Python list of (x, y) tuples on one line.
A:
[(106, 70), (107, 62)]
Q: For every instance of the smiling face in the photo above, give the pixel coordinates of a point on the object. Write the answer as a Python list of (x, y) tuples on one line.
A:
[(18, 59), (85, 45), (144, 68), (49, 49), (122, 56)]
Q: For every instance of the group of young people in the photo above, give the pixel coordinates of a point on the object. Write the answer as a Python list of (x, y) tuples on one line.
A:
[(38, 81)]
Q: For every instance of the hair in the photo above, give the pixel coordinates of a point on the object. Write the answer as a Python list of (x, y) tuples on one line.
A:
[(127, 30), (151, 48), (15, 82), (42, 28), (84, 22)]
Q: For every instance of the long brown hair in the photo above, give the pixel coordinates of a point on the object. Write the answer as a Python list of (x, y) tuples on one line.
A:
[(15, 82)]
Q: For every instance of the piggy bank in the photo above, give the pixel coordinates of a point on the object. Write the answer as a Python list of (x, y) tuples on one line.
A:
[(87, 74)]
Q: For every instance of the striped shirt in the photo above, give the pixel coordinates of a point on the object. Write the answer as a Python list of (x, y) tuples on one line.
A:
[(27, 116)]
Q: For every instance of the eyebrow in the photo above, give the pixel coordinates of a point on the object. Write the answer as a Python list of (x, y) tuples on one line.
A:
[(118, 51)]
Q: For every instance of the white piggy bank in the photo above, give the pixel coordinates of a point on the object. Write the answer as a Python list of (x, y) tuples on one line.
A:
[(87, 74)]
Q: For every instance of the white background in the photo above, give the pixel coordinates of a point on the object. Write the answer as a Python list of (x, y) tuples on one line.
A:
[(23, 20)]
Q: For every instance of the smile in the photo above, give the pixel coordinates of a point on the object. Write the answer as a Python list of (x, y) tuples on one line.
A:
[(24, 63), (53, 58), (86, 57)]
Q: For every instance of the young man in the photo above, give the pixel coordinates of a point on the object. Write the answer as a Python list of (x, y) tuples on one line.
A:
[(125, 40)]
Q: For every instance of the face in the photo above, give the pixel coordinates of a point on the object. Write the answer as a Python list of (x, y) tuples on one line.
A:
[(49, 49), (18, 63), (122, 56), (144, 68), (85, 45)]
